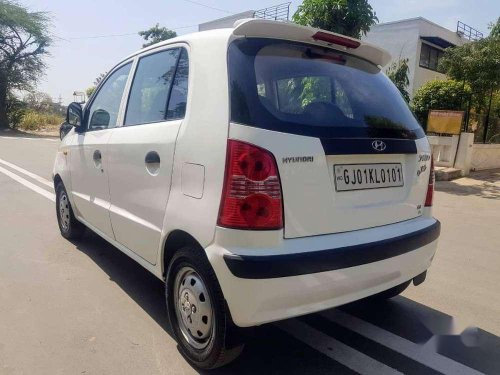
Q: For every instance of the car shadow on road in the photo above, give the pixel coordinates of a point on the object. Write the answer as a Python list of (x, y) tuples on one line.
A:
[(484, 184), (269, 350)]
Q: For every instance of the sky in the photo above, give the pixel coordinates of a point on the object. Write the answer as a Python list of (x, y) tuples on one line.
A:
[(90, 36)]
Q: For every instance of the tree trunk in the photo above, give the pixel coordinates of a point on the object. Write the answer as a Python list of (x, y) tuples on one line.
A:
[(487, 121), (4, 122)]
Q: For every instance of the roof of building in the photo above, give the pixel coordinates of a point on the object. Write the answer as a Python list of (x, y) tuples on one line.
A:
[(406, 20)]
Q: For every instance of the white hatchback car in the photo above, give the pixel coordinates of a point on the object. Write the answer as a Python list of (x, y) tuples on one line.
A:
[(263, 171)]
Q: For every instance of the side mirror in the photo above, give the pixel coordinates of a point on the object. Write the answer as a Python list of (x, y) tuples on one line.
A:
[(64, 129), (74, 114)]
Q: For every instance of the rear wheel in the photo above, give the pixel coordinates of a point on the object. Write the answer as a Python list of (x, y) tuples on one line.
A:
[(198, 313), (69, 226)]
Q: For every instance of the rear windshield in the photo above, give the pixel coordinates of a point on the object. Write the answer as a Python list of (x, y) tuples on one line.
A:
[(307, 90)]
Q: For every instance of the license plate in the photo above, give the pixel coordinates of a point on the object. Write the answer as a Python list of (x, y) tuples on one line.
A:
[(367, 176)]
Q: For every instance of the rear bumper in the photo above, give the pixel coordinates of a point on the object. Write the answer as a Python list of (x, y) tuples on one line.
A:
[(262, 287), (285, 265)]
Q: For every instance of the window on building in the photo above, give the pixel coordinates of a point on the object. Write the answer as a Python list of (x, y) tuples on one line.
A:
[(429, 57)]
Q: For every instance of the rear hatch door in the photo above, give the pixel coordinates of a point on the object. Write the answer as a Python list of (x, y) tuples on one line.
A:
[(349, 151)]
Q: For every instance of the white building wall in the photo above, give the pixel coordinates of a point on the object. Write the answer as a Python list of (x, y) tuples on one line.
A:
[(485, 156), (402, 40)]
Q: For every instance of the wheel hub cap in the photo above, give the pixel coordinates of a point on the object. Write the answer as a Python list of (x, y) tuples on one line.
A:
[(64, 211), (194, 308)]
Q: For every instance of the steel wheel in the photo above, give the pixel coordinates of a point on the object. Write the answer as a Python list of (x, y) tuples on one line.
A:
[(64, 212), (193, 308), (69, 226)]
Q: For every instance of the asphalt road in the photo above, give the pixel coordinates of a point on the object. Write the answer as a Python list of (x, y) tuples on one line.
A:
[(85, 308)]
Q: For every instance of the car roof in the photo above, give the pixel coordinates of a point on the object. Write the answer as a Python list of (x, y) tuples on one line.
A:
[(254, 27)]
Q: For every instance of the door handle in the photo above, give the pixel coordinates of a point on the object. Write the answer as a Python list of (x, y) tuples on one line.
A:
[(152, 157), (97, 159), (152, 163)]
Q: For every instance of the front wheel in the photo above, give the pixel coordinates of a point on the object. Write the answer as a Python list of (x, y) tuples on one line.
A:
[(198, 313), (69, 226)]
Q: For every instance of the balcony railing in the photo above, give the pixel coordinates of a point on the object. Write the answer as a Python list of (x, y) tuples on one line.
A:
[(280, 12)]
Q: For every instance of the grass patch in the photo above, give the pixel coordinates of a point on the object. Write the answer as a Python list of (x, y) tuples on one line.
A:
[(33, 120)]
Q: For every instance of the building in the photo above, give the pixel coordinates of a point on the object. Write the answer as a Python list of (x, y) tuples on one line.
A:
[(422, 42)]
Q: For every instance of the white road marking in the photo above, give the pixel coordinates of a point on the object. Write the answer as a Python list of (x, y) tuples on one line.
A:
[(334, 349), (32, 138), (28, 184), (28, 173), (419, 353)]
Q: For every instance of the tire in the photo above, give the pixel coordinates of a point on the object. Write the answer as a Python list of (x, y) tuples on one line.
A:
[(195, 303), (390, 293), (70, 227)]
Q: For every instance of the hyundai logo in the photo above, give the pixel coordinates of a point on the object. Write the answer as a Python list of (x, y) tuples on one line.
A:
[(379, 145)]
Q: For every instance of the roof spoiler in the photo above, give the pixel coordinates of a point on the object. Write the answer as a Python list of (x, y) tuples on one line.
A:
[(252, 27)]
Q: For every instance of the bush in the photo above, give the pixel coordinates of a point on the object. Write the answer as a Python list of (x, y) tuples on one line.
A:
[(15, 111), (33, 120), (440, 94)]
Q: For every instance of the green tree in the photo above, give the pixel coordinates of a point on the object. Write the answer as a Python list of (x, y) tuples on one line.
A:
[(39, 101), (439, 94), (398, 74), (348, 17), (156, 34), (89, 91), (16, 110), (476, 63), (24, 38), (494, 29)]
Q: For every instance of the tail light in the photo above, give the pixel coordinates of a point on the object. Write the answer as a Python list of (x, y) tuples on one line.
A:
[(251, 196), (430, 187)]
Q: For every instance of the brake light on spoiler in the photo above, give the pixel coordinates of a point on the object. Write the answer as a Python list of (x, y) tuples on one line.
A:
[(336, 39)]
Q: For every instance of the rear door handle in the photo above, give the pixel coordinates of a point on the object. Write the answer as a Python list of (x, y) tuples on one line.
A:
[(152, 163), (97, 159), (97, 155), (152, 157)]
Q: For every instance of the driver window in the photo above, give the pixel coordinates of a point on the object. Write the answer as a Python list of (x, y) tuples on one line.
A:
[(103, 111)]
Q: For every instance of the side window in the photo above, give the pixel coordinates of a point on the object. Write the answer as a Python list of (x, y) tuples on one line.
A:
[(178, 96), (103, 110), (151, 86)]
